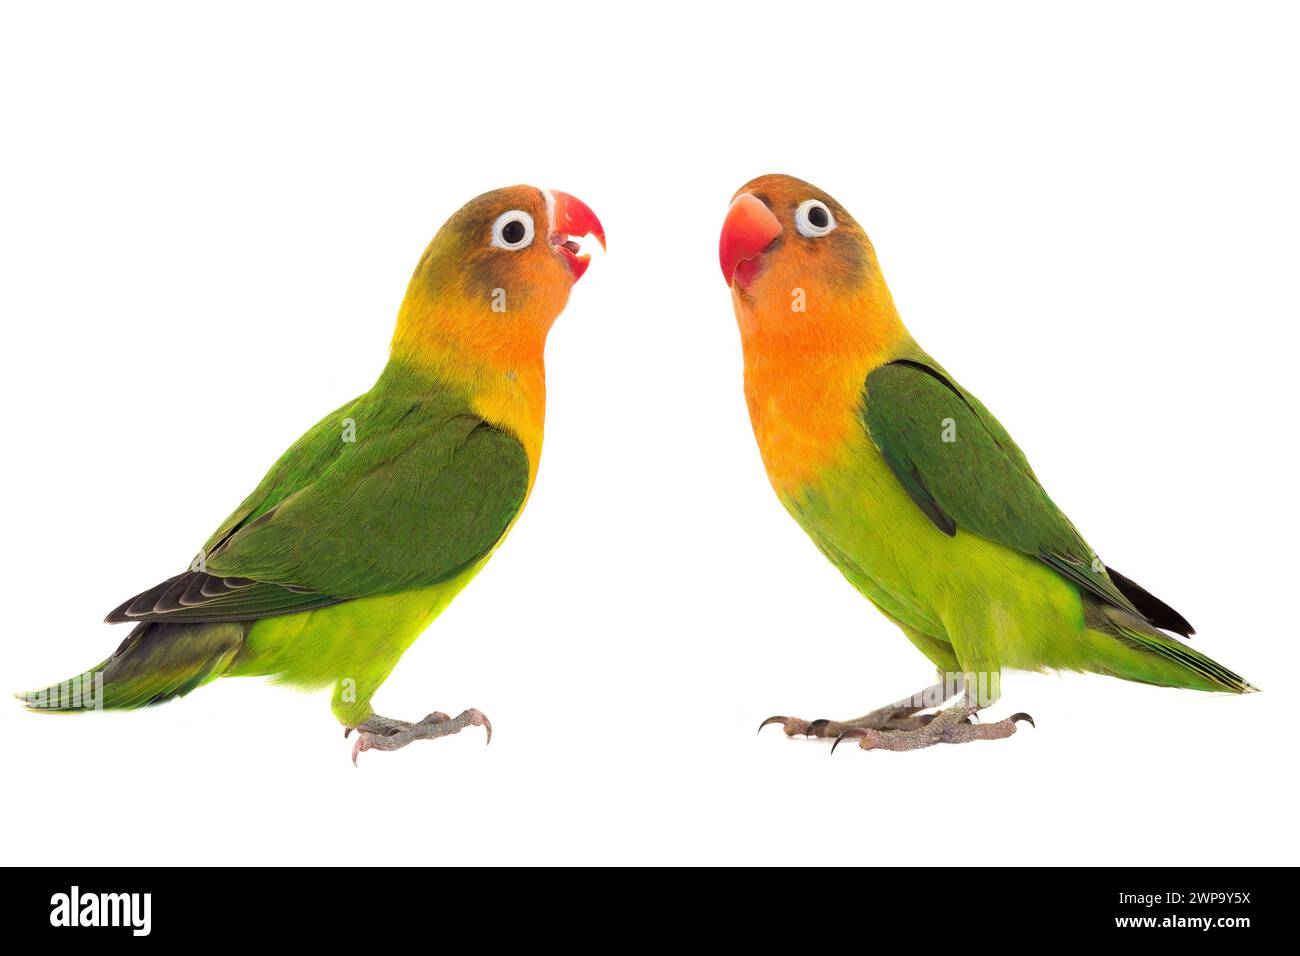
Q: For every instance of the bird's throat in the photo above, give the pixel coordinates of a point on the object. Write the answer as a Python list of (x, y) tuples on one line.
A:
[(805, 372)]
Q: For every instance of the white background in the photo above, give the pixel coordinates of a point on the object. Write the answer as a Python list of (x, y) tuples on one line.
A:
[(208, 223)]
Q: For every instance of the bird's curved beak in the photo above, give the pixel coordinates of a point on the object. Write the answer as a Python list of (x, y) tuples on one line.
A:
[(571, 220), (750, 227)]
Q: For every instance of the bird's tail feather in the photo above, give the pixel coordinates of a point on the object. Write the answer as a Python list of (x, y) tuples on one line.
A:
[(1132, 649), (155, 663)]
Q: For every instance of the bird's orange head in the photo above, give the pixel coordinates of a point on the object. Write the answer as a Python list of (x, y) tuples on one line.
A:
[(801, 269), (495, 278)]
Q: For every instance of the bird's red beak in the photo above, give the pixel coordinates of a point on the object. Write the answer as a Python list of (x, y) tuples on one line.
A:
[(571, 220), (748, 229)]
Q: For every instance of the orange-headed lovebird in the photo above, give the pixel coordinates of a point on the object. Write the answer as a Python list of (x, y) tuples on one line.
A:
[(914, 490), (373, 521)]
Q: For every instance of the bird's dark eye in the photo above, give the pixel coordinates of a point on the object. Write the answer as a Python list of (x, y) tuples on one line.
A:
[(513, 230), (813, 219)]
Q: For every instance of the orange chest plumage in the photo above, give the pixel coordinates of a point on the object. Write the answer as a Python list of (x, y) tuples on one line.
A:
[(804, 415), (804, 378)]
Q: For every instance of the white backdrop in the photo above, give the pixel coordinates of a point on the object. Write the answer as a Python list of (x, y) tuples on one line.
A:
[(208, 223)]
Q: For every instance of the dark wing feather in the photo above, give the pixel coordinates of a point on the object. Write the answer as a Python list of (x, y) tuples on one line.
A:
[(197, 596), (1153, 609)]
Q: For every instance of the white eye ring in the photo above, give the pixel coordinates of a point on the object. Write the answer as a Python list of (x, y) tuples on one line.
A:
[(804, 223), (517, 216)]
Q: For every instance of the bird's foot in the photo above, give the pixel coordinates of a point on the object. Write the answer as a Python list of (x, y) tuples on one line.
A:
[(951, 726), (384, 733), (379, 724), (903, 715)]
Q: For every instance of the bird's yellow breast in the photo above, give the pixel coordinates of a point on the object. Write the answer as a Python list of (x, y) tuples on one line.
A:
[(516, 402)]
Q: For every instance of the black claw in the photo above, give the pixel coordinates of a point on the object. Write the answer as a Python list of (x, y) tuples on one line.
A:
[(346, 731), (1025, 717), (844, 735), (772, 720), (815, 726)]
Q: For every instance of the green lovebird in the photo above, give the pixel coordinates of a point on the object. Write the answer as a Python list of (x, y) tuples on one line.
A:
[(914, 490), (373, 521)]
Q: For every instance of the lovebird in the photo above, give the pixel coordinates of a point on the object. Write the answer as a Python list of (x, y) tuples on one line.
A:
[(914, 491), (376, 518)]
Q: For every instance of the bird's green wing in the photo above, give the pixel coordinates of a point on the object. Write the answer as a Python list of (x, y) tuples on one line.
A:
[(418, 490), (961, 468)]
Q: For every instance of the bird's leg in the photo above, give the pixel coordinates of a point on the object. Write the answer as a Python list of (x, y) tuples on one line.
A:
[(384, 733), (950, 726)]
